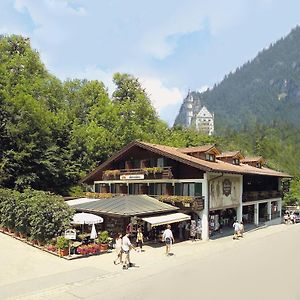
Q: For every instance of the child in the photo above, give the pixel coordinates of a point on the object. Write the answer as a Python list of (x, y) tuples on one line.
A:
[(139, 239), (118, 247)]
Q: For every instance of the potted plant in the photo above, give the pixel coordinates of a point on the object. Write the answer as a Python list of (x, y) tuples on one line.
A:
[(62, 245), (103, 240)]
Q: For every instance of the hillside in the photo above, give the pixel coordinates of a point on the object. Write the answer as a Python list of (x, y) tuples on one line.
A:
[(262, 91)]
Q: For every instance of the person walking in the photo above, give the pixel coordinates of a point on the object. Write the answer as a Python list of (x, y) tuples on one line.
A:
[(126, 247), (193, 230), (168, 239), (242, 229), (118, 248), (236, 227), (199, 229), (139, 239)]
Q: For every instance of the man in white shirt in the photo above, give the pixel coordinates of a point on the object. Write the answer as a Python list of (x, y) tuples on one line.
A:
[(168, 239), (126, 247)]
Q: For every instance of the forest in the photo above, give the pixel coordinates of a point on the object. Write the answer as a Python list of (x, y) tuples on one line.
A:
[(52, 132)]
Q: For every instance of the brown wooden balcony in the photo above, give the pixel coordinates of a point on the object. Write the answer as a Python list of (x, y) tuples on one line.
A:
[(143, 173), (261, 195), (195, 203)]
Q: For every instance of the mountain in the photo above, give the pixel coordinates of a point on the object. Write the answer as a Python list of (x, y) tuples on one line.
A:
[(264, 91)]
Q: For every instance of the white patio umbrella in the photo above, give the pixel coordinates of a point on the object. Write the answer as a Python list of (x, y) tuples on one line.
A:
[(85, 218), (93, 232)]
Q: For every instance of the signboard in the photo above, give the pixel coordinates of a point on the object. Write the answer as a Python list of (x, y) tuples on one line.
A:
[(70, 234), (132, 176), (198, 204)]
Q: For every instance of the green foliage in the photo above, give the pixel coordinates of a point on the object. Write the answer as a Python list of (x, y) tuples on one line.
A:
[(7, 208), (49, 216), (53, 133), (103, 237), (293, 196), (38, 215), (62, 243)]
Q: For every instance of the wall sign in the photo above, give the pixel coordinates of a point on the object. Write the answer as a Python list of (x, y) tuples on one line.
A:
[(132, 176)]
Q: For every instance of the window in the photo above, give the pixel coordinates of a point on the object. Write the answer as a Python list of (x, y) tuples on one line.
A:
[(236, 161), (160, 162), (97, 187), (188, 189), (209, 157)]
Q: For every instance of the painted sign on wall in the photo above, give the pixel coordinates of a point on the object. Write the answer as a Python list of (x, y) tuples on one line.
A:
[(224, 192)]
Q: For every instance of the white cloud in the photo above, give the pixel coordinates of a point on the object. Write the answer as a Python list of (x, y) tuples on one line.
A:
[(160, 95)]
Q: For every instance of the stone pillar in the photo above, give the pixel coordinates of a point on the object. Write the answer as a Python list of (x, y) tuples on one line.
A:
[(205, 213), (239, 211), (256, 214), (269, 208), (279, 207)]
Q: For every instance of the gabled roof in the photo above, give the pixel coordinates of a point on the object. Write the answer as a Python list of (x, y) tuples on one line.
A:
[(200, 149), (124, 205), (177, 155), (229, 154), (253, 159)]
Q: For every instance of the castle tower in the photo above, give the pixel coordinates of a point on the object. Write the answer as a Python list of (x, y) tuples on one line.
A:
[(189, 109)]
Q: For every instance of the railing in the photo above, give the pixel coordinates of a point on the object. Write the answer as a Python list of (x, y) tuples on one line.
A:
[(148, 173), (261, 195), (195, 203)]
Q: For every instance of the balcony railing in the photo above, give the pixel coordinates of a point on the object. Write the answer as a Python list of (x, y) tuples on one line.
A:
[(261, 195), (146, 173), (195, 203)]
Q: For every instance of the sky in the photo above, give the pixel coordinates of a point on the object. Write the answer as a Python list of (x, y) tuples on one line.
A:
[(171, 45)]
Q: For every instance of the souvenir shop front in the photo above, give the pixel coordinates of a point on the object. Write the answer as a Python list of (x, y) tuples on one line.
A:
[(225, 195), (221, 219), (127, 213)]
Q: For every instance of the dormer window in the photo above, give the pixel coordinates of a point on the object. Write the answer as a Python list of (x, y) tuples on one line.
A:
[(210, 157), (236, 161)]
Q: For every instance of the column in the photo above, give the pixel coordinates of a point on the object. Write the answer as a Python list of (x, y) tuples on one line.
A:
[(269, 208), (204, 213), (256, 214), (279, 207), (239, 210)]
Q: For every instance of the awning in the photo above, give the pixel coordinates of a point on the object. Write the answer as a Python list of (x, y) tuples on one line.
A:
[(167, 219)]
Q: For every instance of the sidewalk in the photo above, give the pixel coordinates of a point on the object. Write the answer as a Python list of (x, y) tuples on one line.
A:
[(26, 269)]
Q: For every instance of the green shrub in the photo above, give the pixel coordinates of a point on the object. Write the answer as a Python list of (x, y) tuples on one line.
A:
[(62, 242), (103, 237)]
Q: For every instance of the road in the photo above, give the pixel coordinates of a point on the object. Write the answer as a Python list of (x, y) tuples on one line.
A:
[(262, 265)]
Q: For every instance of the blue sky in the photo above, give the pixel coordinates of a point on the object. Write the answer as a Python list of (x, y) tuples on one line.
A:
[(171, 46)]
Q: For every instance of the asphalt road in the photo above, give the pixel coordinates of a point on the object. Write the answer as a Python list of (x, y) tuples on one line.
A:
[(262, 265)]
